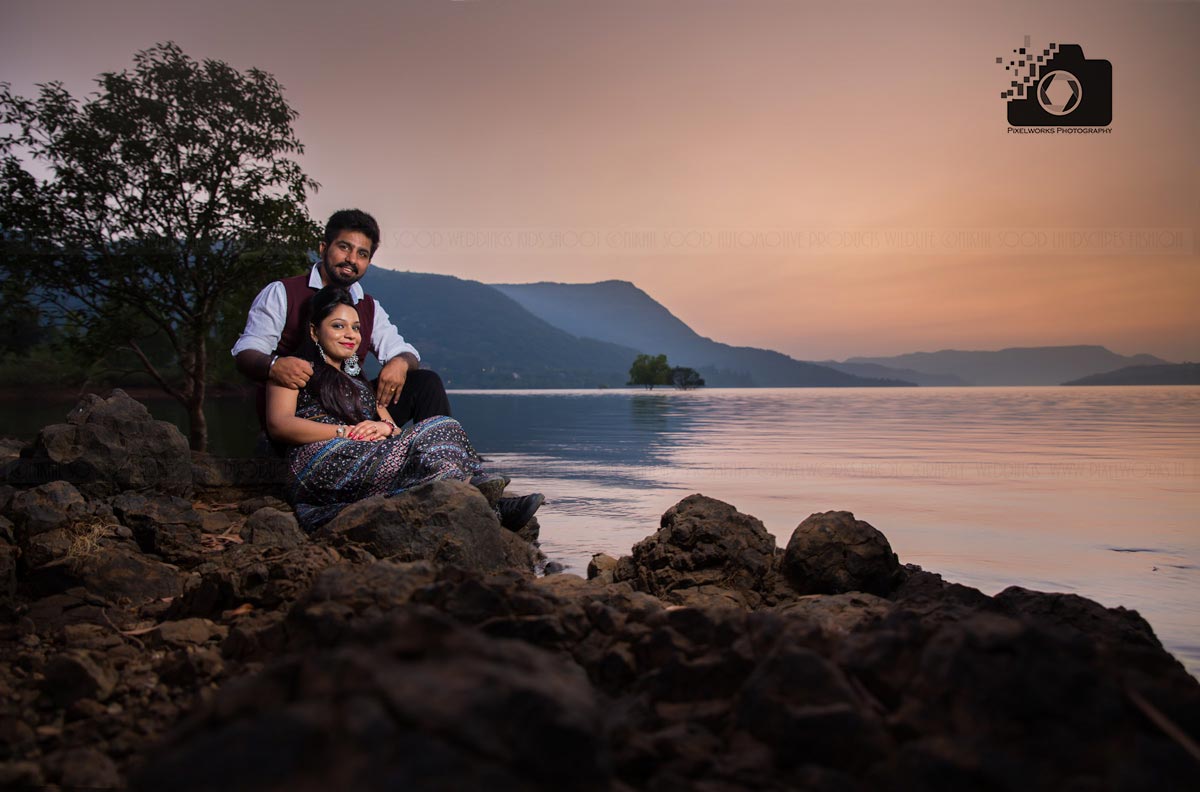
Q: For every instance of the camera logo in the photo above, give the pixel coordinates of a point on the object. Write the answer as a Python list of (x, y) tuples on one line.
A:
[(1066, 94), (1058, 87)]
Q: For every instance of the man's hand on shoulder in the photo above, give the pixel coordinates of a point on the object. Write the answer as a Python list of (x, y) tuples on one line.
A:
[(392, 378), (290, 372)]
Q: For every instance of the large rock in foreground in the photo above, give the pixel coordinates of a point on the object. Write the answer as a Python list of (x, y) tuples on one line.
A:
[(113, 570), (51, 506), (449, 522), (411, 702), (109, 446), (706, 551), (831, 553)]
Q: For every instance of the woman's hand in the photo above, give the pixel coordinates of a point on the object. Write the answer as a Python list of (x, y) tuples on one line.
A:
[(370, 430)]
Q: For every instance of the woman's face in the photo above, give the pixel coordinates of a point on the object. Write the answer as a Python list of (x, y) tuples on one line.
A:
[(338, 334)]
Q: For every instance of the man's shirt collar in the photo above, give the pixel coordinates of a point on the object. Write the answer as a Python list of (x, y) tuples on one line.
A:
[(314, 282)]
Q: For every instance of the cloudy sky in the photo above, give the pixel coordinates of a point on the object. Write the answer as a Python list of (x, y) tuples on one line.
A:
[(826, 179)]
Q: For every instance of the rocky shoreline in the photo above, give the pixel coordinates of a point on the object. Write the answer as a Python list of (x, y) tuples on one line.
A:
[(166, 625)]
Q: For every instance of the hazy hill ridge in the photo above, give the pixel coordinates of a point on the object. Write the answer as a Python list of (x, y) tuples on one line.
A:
[(1167, 374), (620, 313), (910, 375), (543, 335), (1049, 365)]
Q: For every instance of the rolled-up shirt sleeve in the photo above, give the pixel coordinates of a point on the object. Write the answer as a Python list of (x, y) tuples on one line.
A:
[(264, 325), (386, 340)]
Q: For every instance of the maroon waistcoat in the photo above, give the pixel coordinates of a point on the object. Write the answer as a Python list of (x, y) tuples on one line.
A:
[(295, 339)]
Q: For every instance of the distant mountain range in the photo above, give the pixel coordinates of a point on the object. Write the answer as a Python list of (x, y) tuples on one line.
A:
[(555, 335), (621, 313), (912, 375), (1051, 365), (476, 337), (1168, 374)]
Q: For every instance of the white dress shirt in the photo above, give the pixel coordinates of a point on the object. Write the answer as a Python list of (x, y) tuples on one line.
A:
[(268, 315)]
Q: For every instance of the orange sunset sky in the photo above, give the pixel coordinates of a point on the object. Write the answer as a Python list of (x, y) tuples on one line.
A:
[(823, 179)]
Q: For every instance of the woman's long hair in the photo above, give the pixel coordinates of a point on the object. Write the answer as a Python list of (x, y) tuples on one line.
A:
[(333, 389)]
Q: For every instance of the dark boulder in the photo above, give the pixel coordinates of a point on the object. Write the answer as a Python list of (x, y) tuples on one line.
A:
[(55, 504), (1020, 701), (8, 573), (45, 547), (77, 674), (838, 613), (1077, 614), (601, 568), (803, 707), (345, 593), (831, 553), (83, 768), (413, 702), (187, 632), (705, 551), (89, 636), (262, 576), (162, 524), (251, 505), (273, 528), (111, 445), (530, 531), (21, 775), (53, 614), (448, 522), (112, 570), (920, 588)]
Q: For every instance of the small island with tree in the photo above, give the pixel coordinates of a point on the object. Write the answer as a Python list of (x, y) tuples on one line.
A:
[(651, 370)]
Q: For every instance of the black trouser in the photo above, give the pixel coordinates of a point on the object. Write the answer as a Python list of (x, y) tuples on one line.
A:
[(423, 396)]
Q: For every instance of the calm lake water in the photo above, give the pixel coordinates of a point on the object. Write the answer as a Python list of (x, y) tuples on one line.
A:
[(1090, 490)]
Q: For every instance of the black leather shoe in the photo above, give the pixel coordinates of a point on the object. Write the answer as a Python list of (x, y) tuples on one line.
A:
[(516, 512)]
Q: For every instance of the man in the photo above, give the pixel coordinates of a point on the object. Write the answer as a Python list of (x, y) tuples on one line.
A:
[(277, 327)]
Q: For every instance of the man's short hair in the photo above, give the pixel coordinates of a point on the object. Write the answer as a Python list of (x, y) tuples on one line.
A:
[(352, 220)]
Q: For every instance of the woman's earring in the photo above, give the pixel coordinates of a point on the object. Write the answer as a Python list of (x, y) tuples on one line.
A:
[(351, 365), (321, 349)]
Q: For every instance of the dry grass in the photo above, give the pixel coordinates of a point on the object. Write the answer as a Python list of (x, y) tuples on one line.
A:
[(85, 536)]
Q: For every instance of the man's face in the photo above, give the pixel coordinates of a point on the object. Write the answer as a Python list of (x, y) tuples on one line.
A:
[(346, 259)]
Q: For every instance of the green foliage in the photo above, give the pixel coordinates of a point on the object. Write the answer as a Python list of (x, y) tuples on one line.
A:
[(686, 378), (170, 197), (650, 370), (20, 320)]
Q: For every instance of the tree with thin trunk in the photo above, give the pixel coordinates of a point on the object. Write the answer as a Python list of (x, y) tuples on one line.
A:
[(154, 209)]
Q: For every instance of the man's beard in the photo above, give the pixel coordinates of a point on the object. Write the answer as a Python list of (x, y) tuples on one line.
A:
[(333, 277)]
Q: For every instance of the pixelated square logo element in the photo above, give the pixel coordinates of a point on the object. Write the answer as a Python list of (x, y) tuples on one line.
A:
[(1057, 86)]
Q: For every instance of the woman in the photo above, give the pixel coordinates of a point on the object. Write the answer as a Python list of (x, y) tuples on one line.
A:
[(345, 447)]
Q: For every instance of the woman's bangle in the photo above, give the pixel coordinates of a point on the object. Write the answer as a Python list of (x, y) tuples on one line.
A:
[(392, 425), (340, 431)]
